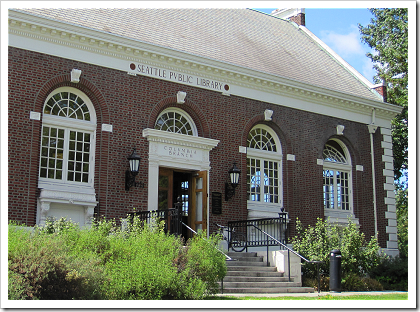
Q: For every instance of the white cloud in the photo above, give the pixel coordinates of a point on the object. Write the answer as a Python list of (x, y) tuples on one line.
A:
[(345, 45), (367, 69)]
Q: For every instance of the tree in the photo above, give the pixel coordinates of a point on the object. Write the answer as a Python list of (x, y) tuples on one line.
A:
[(387, 35), (402, 220)]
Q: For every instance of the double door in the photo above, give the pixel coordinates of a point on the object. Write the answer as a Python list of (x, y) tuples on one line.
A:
[(188, 188)]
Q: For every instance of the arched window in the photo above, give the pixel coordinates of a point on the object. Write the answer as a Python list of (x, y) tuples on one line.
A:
[(337, 177), (67, 140), (177, 121), (264, 168)]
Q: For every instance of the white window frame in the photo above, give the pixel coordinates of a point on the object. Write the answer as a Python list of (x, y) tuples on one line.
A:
[(69, 124), (183, 114), (261, 208), (336, 213)]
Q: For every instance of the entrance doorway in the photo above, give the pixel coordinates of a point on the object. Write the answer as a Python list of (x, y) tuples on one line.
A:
[(190, 189)]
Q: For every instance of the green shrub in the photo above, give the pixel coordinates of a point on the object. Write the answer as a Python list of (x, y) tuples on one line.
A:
[(205, 261), (392, 273), (401, 202), (62, 261), (145, 263), (41, 267), (19, 287), (324, 282), (315, 243), (352, 282)]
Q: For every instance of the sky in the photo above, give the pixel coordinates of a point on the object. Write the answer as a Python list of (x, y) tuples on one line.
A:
[(338, 29)]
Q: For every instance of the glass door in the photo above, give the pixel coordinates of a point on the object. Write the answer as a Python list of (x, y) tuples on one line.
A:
[(198, 211)]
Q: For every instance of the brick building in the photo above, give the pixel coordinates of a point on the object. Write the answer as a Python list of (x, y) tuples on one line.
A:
[(193, 91)]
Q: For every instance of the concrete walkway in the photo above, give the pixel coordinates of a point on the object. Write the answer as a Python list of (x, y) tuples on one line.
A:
[(322, 293)]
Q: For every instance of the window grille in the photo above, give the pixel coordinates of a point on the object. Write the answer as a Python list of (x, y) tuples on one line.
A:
[(67, 138), (263, 166), (173, 121), (337, 177)]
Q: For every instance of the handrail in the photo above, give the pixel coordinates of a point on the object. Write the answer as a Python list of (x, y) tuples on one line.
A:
[(227, 257), (290, 250)]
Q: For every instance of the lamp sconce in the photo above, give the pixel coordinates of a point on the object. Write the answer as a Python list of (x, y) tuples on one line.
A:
[(180, 97), (230, 186), (130, 175), (75, 75)]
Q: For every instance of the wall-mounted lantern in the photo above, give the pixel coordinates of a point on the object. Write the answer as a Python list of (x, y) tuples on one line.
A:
[(234, 174), (130, 175)]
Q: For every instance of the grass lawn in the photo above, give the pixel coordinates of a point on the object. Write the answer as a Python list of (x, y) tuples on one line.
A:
[(402, 296)]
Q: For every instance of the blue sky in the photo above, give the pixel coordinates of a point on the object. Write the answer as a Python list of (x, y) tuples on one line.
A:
[(338, 29)]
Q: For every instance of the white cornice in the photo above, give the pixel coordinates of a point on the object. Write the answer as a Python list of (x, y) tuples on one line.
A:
[(116, 47), (179, 139)]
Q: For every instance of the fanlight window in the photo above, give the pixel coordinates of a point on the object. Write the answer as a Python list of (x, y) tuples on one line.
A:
[(176, 122), (261, 139), (333, 152), (67, 104)]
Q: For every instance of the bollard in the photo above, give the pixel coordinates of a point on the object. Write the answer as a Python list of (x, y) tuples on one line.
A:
[(335, 270)]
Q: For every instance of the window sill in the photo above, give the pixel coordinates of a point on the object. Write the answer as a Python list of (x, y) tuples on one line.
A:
[(260, 211), (82, 188), (340, 217), (67, 197)]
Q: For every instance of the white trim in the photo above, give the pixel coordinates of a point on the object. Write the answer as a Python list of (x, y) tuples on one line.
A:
[(103, 49), (340, 216), (347, 168), (107, 127), (291, 157), (47, 197), (35, 116), (260, 208), (388, 173), (80, 94), (69, 124), (159, 156)]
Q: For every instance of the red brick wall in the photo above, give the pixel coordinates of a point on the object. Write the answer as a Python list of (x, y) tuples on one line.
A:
[(132, 103)]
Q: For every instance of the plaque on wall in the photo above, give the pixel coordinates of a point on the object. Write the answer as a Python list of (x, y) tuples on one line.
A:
[(216, 199)]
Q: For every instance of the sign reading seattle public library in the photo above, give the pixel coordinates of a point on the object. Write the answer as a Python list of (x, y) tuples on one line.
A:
[(174, 76)]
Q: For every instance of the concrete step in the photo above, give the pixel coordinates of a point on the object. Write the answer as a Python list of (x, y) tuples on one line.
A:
[(246, 259), (259, 284), (262, 268), (276, 290), (246, 263), (249, 274), (257, 279), (273, 273), (241, 254)]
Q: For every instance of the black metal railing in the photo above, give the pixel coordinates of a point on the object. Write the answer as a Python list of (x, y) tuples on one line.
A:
[(276, 227), (172, 218), (283, 246)]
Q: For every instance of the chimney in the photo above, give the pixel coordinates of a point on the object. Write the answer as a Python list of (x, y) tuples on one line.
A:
[(381, 89), (294, 15)]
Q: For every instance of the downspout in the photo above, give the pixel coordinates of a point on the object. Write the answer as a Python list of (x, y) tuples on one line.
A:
[(372, 129)]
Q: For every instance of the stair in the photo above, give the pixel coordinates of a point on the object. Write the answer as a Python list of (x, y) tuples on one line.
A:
[(248, 274)]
